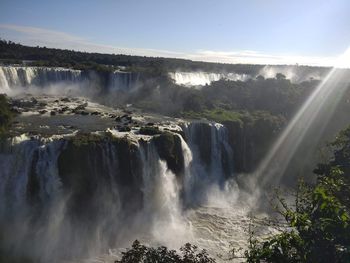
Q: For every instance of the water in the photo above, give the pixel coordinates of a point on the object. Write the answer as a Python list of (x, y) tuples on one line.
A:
[(128, 193), (191, 79), (38, 80), (104, 196), (295, 74)]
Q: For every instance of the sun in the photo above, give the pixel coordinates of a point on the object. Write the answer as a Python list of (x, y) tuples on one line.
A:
[(343, 60)]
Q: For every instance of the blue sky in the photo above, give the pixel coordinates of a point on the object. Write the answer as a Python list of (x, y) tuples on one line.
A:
[(245, 31)]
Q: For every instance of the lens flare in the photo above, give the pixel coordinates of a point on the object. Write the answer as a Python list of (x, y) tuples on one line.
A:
[(306, 127)]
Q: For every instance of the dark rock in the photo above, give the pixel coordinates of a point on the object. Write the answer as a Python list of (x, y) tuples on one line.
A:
[(16, 110), (90, 178), (42, 104), (53, 113), (42, 111), (65, 99), (80, 107), (124, 129), (64, 109), (149, 130), (34, 100), (169, 149)]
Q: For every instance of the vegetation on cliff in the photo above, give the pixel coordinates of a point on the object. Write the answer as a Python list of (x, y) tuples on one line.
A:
[(139, 253), (319, 222), (317, 226), (5, 115)]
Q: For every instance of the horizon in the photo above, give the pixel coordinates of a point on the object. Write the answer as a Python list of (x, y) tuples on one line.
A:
[(311, 34)]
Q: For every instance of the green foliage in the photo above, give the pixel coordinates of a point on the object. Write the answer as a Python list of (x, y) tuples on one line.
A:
[(86, 139), (5, 115), (150, 130), (139, 253), (218, 115), (282, 248), (320, 221)]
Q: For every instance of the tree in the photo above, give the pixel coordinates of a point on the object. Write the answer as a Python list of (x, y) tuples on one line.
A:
[(5, 115), (139, 253), (280, 76), (320, 222)]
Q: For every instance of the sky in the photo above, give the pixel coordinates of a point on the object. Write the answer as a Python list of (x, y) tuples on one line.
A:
[(313, 32)]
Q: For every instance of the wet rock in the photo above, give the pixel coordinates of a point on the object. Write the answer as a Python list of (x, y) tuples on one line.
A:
[(149, 130), (16, 110), (63, 109), (95, 113), (34, 100), (85, 187), (169, 149), (53, 113), (124, 129), (65, 100), (42, 104), (42, 111), (81, 107), (84, 113), (24, 103)]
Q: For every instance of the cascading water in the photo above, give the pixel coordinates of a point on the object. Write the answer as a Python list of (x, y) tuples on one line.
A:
[(212, 158), (295, 74), (123, 81), (204, 78), (103, 195), (14, 79), (162, 207)]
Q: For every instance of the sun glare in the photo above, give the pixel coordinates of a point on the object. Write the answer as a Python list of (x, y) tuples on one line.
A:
[(344, 60)]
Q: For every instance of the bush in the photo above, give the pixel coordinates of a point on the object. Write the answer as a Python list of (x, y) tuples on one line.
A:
[(139, 253), (320, 220), (5, 115)]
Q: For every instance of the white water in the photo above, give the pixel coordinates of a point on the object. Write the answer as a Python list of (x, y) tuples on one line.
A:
[(200, 208), (295, 74), (15, 79), (190, 79), (162, 208)]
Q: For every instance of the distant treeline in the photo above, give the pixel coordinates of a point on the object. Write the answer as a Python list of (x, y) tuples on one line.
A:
[(11, 53)]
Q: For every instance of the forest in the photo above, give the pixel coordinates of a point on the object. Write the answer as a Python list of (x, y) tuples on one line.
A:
[(316, 227)]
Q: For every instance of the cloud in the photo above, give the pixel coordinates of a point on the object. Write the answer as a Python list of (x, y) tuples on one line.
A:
[(254, 57), (44, 37)]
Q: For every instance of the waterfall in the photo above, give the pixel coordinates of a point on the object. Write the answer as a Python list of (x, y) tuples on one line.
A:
[(19, 77), (105, 194), (162, 207), (123, 81), (15, 79), (189, 79), (295, 74), (212, 159), (29, 171)]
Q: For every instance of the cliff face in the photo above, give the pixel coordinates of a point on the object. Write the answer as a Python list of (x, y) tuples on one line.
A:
[(14, 79), (251, 141), (111, 181)]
